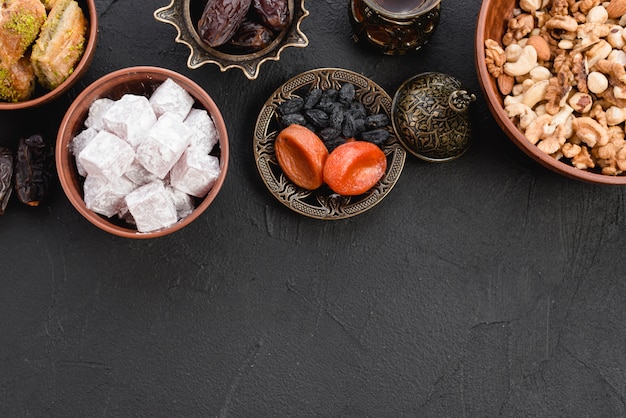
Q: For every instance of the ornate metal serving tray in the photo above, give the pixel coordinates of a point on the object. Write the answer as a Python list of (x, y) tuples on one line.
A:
[(323, 203)]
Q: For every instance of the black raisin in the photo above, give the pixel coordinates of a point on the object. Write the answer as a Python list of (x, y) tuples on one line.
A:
[(346, 94), (312, 98), (292, 118), (379, 120), (317, 117), (336, 117), (376, 136), (334, 143), (328, 134), (349, 126), (293, 105), (357, 110), (330, 94)]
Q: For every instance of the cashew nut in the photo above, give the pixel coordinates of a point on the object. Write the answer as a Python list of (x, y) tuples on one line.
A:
[(526, 62), (536, 93)]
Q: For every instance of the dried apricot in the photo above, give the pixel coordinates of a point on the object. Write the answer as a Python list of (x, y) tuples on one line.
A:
[(354, 167), (301, 154)]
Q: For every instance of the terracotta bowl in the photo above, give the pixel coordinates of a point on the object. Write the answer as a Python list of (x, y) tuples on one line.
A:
[(184, 16), (492, 20), (42, 96), (141, 81)]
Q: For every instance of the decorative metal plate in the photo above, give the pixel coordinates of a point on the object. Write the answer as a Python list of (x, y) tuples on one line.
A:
[(184, 15), (323, 203)]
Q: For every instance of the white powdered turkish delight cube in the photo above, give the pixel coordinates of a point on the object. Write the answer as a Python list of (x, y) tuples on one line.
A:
[(163, 146), (106, 196), (130, 118), (96, 111), (78, 143), (204, 134), (182, 201), (195, 173), (138, 174), (151, 207), (170, 97), (106, 155)]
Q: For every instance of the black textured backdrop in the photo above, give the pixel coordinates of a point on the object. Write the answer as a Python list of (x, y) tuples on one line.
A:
[(483, 287)]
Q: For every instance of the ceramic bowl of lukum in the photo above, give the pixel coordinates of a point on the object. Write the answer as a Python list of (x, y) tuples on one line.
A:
[(583, 157), (136, 81), (45, 94), (184, 15)]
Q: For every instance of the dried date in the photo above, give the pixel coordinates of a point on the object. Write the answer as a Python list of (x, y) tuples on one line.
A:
[(6, 177), (220, 20), (33, 170), (273, 13), (251, 36)]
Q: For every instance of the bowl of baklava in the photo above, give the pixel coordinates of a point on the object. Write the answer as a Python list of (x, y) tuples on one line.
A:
[(45, 47), (240, 34), (142, 152)]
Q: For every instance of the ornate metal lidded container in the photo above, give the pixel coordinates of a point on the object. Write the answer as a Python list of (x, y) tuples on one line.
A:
[(430, 116), (395, 26)]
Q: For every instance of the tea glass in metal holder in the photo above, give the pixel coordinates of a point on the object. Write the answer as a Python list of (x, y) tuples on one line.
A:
[(395, 26)]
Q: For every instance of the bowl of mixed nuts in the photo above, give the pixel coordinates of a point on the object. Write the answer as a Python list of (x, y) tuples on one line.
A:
[(553, 74), (241, 34)]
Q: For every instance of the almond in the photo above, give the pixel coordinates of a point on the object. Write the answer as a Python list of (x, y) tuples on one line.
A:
[(541, 46), (616, 8), (505, 84)]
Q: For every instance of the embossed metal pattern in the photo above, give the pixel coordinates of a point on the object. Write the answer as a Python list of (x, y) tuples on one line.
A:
[(323, 203), (430, 117), (178, 14)]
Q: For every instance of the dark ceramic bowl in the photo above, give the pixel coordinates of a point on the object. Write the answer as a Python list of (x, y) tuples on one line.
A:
[(492, 20), (141, 81), (42, 96), (184, 16)]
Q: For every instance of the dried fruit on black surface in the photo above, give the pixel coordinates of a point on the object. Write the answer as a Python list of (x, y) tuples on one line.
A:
[(33, 170), (220, 20), (335, 116), (6, 177), (273, 13), (251, 36)]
